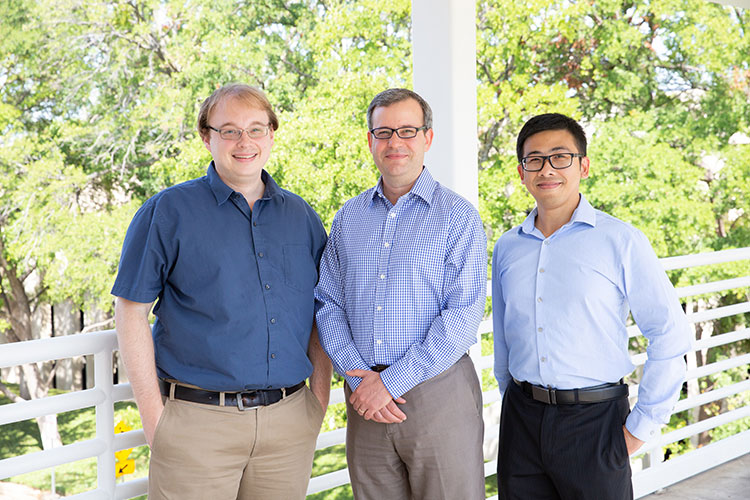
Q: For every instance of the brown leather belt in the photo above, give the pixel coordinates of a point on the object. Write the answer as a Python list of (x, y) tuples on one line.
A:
[(243, 400), (379, 368), (597, 394)]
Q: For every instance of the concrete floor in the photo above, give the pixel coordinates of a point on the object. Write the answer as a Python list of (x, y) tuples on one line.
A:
[(729, 481)]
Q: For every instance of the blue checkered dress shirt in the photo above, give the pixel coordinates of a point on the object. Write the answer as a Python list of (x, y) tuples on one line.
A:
[(402, 285)]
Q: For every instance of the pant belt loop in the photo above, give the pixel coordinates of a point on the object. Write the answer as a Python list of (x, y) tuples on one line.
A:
[(172, 385), (222, 399), (283, 392)]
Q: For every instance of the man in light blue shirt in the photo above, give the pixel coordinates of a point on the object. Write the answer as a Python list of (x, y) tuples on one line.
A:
[(563, 283), (400, 297)]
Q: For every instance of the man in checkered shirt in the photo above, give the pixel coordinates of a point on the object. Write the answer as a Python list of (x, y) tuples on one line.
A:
[(401, 294)]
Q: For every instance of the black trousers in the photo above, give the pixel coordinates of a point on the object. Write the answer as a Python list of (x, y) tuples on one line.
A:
[(566, 452)]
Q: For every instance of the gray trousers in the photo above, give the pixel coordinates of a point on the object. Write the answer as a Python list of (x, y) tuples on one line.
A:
[(435, 454)]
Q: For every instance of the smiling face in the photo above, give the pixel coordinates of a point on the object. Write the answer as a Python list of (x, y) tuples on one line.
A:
[(554, 189), (399, 160), (238, 163)]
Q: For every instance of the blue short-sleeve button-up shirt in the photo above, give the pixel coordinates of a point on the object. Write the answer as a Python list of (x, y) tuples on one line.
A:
[(234, 285)]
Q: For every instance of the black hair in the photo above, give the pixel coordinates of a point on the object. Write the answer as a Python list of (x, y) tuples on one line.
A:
[(551, 121)]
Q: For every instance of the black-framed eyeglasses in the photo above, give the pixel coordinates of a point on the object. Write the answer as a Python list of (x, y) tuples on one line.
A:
[(558, 161), (235, 134), (401, 132)]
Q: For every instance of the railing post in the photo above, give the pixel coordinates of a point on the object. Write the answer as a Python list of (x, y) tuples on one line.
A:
[(105, 417)]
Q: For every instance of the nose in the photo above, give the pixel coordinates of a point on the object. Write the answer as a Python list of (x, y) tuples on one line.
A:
[(546, 166), (243, 134), (395, 139)]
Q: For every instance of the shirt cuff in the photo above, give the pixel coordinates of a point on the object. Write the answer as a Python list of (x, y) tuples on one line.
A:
[(397, 384), (353, 382), (641, 426), (502, 382)]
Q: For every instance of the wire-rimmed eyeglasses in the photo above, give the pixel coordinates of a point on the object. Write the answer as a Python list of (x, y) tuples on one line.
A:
[(235, 134)]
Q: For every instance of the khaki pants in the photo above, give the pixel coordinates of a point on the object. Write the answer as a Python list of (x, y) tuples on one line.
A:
[(221, 453), (435, 454)]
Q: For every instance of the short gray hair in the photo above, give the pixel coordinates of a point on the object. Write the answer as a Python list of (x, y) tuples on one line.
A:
[(392, 96)]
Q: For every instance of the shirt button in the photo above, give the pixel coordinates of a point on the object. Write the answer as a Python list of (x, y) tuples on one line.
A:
[(268, 287), (273, 356), (260, 254), (544, 359), (380, 308), (392, 215), (378, 341), (540, 329), (386, 244), (382, 276), (255, 224), (538, 299), (541, 269), (546, 242), (273, 321)]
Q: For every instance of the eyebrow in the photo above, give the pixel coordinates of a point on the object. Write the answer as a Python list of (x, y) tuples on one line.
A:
[(232, 124), (556, 148)]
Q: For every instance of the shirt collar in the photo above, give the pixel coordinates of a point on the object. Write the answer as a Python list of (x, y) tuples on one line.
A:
[(272, 189), (424, 187), (584, 213), (222, 192)]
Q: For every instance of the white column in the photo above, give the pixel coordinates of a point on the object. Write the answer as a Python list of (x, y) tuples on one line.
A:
[(744, 4), (444, 44)]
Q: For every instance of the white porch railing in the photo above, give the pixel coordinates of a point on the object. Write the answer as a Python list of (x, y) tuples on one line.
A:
[(651, 473)]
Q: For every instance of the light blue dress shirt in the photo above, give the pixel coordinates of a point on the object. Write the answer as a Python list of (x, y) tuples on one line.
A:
[(402, 285), (560, 306)]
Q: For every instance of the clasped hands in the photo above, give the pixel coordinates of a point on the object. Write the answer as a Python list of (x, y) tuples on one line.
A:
[(373, 401)]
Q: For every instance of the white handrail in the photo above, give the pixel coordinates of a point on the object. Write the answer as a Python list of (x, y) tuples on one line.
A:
[(705, 259)]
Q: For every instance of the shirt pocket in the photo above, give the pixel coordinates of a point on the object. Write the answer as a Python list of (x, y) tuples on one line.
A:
[(300, 271)]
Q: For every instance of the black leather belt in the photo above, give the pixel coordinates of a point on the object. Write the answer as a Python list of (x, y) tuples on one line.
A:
[(597, 394), (242, 400), (379, 368)]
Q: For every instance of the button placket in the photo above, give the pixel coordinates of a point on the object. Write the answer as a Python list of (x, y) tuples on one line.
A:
[(540, 310), (381, 284)]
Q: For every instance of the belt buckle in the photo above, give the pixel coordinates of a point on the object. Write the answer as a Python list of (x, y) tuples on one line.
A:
[(543, 395), (238, 397)]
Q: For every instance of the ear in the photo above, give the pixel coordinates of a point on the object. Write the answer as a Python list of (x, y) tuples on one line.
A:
[(270, 135), (585, 167), (369, 140), (520, 171), (428, 135), (207, 141)]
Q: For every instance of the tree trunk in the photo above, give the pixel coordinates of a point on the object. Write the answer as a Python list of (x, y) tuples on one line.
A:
[(17, 305), (34, 386), (693, 361), (48, 429)]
